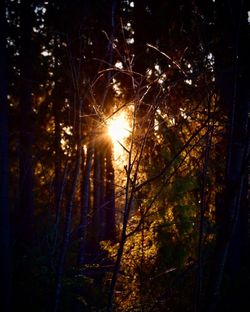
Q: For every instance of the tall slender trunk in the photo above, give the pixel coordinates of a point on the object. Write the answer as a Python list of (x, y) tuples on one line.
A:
[(109, 207), (109, 197), (59, 177), (141, 36), (58, 150), (98, 195), (85, 206), (200, 264), (84, 217), (67, 231), (26, 209), (5, 259), (233, 76), (129, 197), (128, 202)]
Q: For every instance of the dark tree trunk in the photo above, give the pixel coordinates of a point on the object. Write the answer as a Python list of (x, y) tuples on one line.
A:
[(141, 37), (84, 218), (26, 209), (233, 76), (85, 189), (5, 259), (67, 231), (109, 205), (59, 176), (98, 217), (58, 152), (57, 106)]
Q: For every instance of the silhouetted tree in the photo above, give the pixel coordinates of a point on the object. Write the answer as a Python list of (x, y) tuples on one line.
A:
[(26, 202), (5, 258), (232, 79)]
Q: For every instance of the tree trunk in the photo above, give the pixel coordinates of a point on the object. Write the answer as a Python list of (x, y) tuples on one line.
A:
[(142, 37), (56, 97), (26, 209), (109, 207), (67, 231), (85, 206), (98, 217), (233, 76), (59, 176), (5, 259)]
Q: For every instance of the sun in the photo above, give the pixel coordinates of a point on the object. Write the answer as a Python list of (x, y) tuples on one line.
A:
[(118, 127)]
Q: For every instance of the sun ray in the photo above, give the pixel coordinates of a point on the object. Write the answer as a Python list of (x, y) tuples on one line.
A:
[(118, 127)]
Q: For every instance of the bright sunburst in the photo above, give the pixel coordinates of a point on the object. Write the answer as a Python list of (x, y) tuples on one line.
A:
[(118, 127)]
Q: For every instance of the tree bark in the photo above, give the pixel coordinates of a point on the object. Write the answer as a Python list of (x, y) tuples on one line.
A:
[(56, 97), (233, 76), (67, 231), (98, 218), (109, 207), (5, 258), (85, 206), (26, 209)]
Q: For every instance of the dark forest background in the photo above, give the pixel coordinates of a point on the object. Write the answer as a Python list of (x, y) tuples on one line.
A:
[(165, 227)]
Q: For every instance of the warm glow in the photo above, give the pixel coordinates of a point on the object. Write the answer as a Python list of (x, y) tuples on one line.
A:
[(118, 127)]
